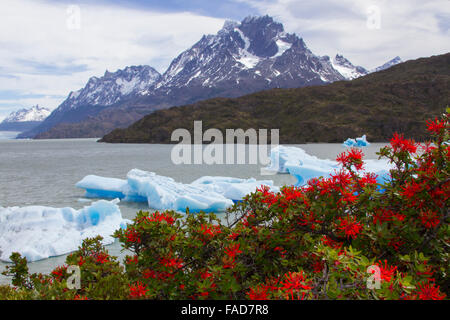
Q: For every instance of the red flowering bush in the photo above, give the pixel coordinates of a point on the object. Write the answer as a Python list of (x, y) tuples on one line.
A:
[(341, 237)]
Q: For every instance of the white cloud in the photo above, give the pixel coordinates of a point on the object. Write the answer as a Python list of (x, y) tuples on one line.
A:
[(40, 55), (408, 28)]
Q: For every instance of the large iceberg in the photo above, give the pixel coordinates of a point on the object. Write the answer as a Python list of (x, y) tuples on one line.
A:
[(38, 232), (209, 194), (304, 167), (358, 142)]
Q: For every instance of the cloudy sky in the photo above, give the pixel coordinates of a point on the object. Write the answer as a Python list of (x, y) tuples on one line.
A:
[(51, 47)]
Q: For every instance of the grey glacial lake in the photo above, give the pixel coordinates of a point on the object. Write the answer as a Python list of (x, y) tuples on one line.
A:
[(44, 172)]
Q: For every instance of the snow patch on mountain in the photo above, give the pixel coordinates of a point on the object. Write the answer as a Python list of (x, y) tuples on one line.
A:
[(388, 64), (347, 69), (113, 87), (248, 59), (34, 114)]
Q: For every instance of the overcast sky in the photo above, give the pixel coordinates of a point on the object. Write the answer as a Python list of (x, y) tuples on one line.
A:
[(49, 48)]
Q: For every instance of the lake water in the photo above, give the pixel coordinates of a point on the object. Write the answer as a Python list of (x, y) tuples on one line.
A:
[(6, 135), (44, 172)]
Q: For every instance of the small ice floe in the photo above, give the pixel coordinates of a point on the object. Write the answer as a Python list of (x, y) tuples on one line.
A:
[(358, 142)]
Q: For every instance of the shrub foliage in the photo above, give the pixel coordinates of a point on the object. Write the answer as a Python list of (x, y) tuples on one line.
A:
[(340, 237)]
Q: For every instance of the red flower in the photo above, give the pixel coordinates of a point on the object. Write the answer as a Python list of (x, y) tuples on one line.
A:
[(233, 250), (159, 217), (258, 293), (132, 235), (368, 178), (411, 189), (59, 271), (386, 271), (349, 227), (102, 257), (429, 218), (231, 253), (171, 262), (206, 275), (295, 282), (429, 291), (138, 290), (352, 157), (384, 215), (157, 275), (401, 144), (267, 196), (331, 243), (211, 231), (435, 126)]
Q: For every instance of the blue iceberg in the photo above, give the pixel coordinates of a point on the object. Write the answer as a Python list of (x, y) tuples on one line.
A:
[(304, 167), (358, 142), (38, 232), (209, 194)]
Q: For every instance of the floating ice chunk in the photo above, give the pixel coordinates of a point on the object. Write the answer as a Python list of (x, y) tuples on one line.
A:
[(362, 141), (234, 188), (163, 193), (38, 232), (283, 159), (304, 167), (349, 142), (358, 142), (100, 187)]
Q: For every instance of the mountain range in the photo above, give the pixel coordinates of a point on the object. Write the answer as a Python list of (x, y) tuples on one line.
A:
[(398, 99), (25, 119), (243, 57)]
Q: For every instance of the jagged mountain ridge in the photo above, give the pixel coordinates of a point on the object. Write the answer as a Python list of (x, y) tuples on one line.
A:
[(253, 55), (380, 104)]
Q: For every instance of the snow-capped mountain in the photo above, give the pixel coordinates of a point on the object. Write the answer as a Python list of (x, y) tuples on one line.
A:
[(388, 64), (34, 114), (113, 87), (99, 93), (254, 51), (347, 69), (243, 57), (25, 119)]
